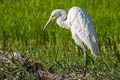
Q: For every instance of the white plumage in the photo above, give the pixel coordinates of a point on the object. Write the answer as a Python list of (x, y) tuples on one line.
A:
[(80, 25), (82, 29)]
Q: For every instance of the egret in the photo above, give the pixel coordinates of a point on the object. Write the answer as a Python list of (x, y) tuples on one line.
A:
[(81, 27)]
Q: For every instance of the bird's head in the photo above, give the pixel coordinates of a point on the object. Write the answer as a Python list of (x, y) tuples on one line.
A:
[(55, 14)]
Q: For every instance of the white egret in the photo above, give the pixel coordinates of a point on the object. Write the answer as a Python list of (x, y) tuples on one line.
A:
[(81, 27)]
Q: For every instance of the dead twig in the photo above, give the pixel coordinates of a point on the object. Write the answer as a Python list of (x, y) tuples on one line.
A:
[(7, 61), (36, 68)]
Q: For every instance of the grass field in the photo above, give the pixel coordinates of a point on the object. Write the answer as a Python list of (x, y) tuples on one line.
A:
[(21, 29)]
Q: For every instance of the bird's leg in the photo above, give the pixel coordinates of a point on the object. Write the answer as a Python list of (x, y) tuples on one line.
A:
[(85, 62)]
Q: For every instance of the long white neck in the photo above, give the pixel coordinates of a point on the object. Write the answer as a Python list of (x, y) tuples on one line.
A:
[(62, 21)]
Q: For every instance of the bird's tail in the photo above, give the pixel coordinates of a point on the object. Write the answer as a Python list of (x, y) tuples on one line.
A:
[(95, 49)]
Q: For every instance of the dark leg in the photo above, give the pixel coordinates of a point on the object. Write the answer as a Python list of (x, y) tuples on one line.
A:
[(85, 62)]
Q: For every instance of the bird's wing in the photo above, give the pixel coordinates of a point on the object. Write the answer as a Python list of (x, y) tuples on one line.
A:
[(83, 28)]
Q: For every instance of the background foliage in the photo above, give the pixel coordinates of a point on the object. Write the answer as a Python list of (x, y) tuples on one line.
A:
[(21, 29)]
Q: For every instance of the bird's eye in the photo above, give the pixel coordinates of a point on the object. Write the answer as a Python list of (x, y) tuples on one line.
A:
[(52, 16)]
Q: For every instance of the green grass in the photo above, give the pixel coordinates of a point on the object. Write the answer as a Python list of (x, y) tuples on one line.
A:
[(21, 29)]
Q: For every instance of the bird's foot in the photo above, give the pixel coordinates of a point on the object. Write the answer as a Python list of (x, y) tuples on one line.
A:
[(83, 74), (80, 72)]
